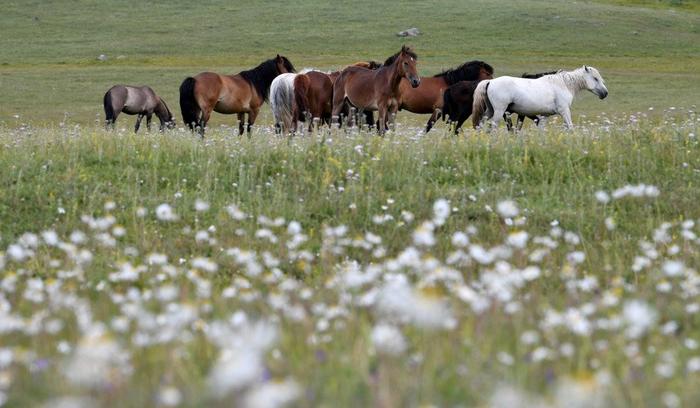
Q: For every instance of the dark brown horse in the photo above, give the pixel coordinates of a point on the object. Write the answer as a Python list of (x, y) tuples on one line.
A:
[(136, 100), (242, 93), (370, 90), (457, 102), (427, 98)]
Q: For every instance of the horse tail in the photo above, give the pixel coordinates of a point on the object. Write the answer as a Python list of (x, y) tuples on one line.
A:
[(282, 100), (301, 90), (447, 104), (188, 104), (481, 102), (109, 108)]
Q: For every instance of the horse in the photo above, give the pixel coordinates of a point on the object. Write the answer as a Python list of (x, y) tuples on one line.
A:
[(545, 96), (136, 100), (428, 97), (242, 93), (306, 96), (457, 102), (377, 89), (521, 118)]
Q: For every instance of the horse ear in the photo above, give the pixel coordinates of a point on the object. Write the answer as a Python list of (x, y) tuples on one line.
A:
[(403, 48), (586, 68)]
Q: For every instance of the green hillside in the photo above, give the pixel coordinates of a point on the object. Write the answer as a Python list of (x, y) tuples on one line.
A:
[(49, 67)]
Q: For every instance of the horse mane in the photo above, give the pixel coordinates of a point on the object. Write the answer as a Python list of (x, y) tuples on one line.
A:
[(572, 79), (167, 109), (391, 59), (469, 71), (261, 76), (539, 75)]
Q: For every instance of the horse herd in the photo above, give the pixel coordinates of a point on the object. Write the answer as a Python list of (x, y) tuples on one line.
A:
[(352, 94)]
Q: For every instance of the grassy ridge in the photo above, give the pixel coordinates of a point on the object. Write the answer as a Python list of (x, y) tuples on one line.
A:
[(49, 64)]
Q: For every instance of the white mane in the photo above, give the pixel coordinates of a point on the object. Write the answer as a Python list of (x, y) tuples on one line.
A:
[(573, 80)]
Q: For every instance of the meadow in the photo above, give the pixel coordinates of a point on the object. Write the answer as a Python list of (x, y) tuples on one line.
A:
[(541, 269)]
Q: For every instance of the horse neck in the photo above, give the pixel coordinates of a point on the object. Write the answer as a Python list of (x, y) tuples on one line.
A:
[(162, 112), (573, 81), (394, 77)]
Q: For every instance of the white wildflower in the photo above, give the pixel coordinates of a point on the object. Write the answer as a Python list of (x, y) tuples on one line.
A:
[(507, 209), (165, 212), (387, 339)]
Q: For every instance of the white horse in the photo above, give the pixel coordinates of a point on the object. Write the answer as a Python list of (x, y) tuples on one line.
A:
[(545, 96), (282, 102)]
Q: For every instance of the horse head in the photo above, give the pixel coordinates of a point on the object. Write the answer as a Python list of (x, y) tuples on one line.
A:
[(485, 72), (165, 115), (594, 81), (283, 65), (406, 65)]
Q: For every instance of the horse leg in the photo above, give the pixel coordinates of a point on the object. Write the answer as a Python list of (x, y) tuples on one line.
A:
[(241, 120), (149, 116), (338, 104), (252, 115), (498, 113), (521, 121), (138, 122), (433, 118), (381, 119), (566, 114), (391, 117), (509, 122)]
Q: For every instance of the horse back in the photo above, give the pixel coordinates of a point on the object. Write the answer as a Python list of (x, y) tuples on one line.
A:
[(358, 85)]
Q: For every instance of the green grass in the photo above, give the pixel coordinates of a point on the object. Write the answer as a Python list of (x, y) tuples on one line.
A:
[(48, 65), (52, 178), (64, 312)]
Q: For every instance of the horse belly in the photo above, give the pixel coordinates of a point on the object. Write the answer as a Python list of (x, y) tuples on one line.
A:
[(533, 102), (531, 109), (229, 107)]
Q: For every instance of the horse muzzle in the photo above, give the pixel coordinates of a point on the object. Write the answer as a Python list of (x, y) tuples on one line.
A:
[(603, 94), (415, 82)]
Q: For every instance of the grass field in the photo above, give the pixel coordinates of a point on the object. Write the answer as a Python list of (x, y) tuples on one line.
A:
[(49, 67), (543, 269)]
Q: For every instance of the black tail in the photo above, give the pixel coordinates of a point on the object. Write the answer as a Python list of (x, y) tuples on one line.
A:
[(188, 105), (109, 109)]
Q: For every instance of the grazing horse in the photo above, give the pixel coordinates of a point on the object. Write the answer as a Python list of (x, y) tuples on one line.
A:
[(521, 118), (242, 93), (427, 98), (136, 100), (377, 89), (306, 96), (545, 96)]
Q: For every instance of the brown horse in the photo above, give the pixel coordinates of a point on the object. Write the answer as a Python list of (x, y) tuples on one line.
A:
[(378, 89), (427, 98), (242, 93), (136, 100), (306, 97), (313, 97)]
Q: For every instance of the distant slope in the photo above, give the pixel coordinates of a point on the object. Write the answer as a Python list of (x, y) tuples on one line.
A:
[(48, 51)]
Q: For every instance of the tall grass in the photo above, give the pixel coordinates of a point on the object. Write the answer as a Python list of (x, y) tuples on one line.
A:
[(548, 304)]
